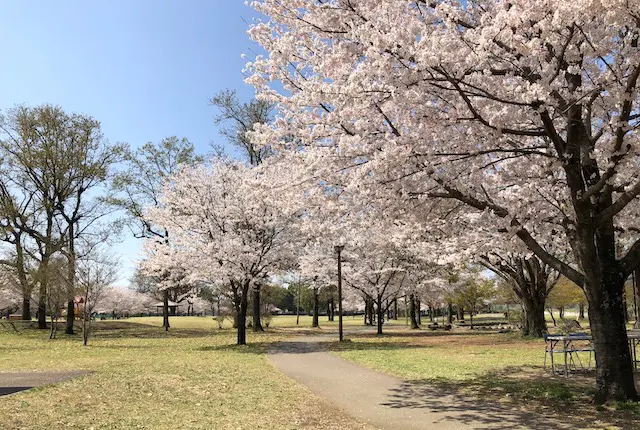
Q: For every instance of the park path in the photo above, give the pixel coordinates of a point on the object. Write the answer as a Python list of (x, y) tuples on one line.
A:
[(390, 403), (13, 382)]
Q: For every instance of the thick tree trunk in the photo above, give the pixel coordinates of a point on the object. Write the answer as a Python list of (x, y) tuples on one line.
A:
[(165, 310), (316, 308), (395, 309), (26, 307), (412, 313), (581, 311), (255, 298), (242, 315), (71, 314), (460, 313), (561, 312), (450, 312), (380, 314), (42, 299), (534, 323), (614, 370), (636, 298), (431, 312), (419, 312)]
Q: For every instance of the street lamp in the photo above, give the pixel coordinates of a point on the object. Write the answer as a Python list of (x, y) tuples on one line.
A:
[(338, 249)]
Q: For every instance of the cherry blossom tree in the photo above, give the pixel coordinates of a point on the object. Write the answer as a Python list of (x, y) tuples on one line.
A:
[(224, 226), (524, 111)]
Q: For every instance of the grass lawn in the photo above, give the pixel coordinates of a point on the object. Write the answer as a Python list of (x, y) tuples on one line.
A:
[(192, 377), (497, 367), (278, 321)]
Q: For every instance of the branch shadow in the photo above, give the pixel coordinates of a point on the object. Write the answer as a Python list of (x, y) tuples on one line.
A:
[(506, 402), (309, 346)]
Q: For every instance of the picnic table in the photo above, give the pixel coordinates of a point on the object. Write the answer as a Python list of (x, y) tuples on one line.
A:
[(570, 345)]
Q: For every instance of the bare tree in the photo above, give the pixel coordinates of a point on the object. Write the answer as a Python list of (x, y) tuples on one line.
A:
[(96, 272), (140, 185)]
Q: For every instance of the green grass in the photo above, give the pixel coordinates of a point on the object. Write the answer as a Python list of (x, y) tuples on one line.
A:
[(278, 321), (192, 377)]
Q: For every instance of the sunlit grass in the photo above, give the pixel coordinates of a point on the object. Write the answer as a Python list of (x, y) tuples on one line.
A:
[(496, 367), (192, 377), (277, 321)]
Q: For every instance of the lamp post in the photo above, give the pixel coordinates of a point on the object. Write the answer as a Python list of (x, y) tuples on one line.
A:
[(339, 249)]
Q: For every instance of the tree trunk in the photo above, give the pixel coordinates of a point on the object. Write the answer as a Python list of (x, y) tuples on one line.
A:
[(316, 307), (71, 281), (460, 313), (71, 315), (25, 286), (242, 315), (636, 298), (165, 310), (431, 311), (255, 297), (581, 311), (561, 312), (552, 317), (534, 323), (614, 370), (395, 309), (333, 309), (86, 320), (298, 307), (26, 308), (419, 311), (625, 308), (380, 314), (42, 299), (412, 313), (450, 312), (471, 318)]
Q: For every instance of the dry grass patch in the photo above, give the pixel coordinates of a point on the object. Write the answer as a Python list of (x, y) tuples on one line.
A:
[(144, 378)]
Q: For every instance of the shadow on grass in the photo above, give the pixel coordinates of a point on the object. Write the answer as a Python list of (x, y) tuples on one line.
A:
[(515, 398), (304, 347)]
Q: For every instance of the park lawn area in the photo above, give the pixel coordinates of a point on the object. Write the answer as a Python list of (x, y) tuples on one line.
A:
[(500, 367), (192, 377), (277, 321)]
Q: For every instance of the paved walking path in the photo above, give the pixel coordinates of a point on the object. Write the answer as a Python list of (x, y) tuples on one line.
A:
[(12, 382), (390, 403)]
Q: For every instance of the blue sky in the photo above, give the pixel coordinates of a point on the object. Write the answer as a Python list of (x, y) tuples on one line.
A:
[(145, 69)]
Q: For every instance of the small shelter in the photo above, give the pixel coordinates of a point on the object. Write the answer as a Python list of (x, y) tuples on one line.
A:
[(173, 307)]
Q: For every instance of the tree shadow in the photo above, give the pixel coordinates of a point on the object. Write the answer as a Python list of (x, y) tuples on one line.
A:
[(512, 398), (298, 346)]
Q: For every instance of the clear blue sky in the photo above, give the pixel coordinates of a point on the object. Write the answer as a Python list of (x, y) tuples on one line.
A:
[(145, 69)]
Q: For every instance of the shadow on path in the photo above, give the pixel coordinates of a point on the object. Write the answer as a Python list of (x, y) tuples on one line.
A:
[(13, 382), (390, 403)]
